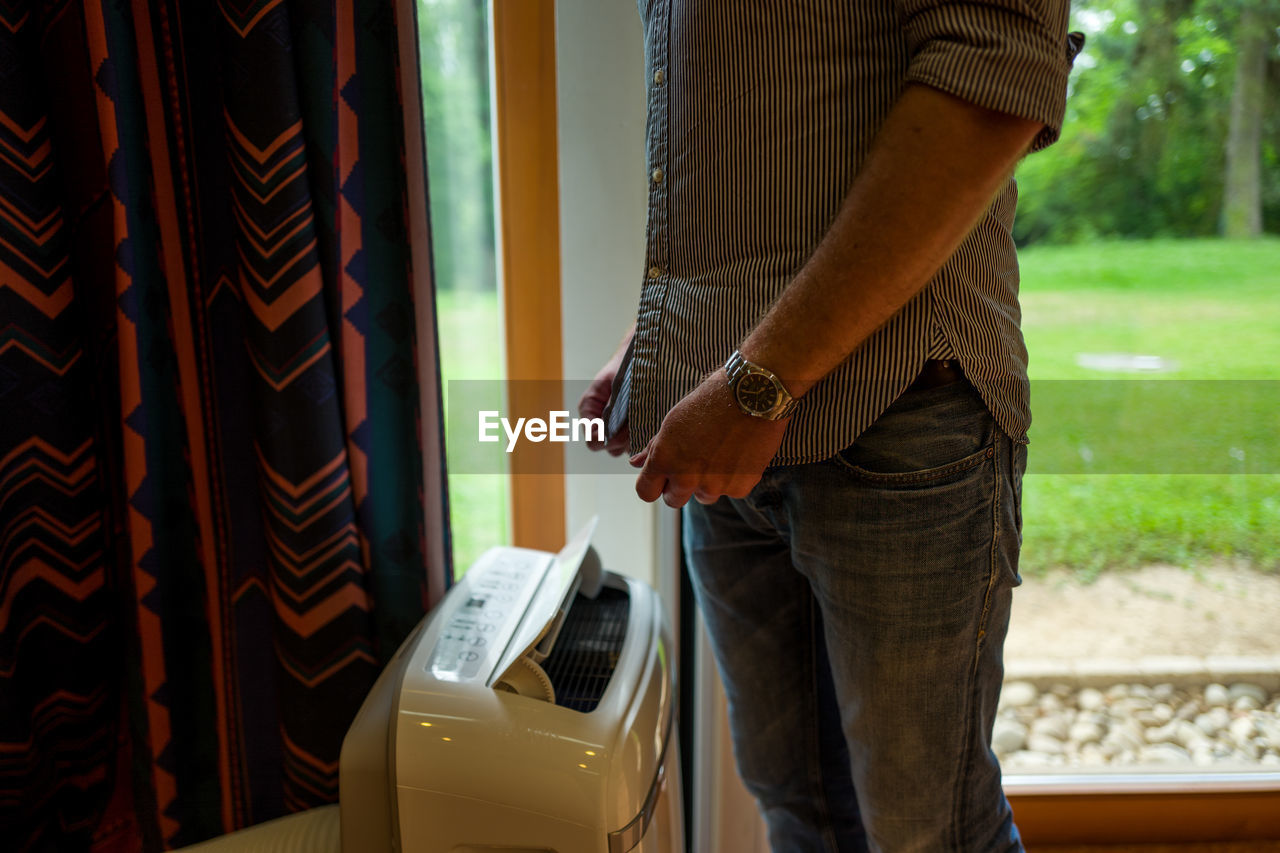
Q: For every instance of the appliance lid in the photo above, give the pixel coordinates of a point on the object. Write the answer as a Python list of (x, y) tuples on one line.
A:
[(576, 567)]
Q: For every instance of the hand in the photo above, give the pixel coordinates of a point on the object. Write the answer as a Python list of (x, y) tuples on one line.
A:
[(705, 448), (596, 397)]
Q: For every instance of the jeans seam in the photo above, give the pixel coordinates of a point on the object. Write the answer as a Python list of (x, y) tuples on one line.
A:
[(814, 743), (966, 759)]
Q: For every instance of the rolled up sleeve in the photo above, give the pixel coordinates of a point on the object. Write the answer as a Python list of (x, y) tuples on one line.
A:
[(1012, 56)]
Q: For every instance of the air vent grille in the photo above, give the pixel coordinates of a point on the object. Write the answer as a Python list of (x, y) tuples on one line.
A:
[(586, 652)]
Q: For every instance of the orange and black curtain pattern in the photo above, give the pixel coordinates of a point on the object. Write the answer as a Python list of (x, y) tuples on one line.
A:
[(211, 491)]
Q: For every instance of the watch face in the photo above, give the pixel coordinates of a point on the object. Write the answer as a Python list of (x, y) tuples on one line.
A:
[(756, 393)]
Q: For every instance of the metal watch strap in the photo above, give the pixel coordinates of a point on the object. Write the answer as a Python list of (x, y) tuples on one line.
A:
[(737, 366)]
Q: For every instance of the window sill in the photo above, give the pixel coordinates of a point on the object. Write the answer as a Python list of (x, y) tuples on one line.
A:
[(1145, 807)]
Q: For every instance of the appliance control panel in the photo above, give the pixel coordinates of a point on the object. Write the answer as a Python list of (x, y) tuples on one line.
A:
[(499, 587)]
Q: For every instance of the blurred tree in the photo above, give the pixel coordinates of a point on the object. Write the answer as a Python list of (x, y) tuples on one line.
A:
[(1242, 190), (454, 49), (1143, 152)]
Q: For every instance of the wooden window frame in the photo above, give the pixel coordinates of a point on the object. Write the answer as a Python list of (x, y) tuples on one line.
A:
[(528, 188), (1150, 807)]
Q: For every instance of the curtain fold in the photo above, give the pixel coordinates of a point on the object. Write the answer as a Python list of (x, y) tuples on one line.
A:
[(212, 529)]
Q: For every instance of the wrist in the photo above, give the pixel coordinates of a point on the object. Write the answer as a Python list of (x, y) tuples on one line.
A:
[(758, 391), (789, 363)]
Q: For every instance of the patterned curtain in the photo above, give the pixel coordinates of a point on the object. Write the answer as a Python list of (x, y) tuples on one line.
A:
[(212, 512)]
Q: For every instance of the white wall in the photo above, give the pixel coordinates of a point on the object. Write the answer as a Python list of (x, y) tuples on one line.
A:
[(600, 89)]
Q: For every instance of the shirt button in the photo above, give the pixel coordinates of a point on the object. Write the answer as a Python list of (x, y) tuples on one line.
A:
[(659, 77), (657, 176), (655, 272)]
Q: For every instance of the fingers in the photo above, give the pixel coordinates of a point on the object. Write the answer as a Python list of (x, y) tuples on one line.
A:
[(705, 449), (675, 492), (592, 402), (676, 496), (655, 481), (592, 405), (650, 484)]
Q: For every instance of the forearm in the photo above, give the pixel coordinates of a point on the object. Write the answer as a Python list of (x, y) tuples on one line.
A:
[(935, 166)]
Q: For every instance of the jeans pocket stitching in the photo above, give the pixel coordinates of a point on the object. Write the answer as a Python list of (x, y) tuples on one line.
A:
[(923, 476)]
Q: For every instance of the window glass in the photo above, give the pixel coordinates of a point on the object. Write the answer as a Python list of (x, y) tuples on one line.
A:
[(1146, 635), (454, 49)]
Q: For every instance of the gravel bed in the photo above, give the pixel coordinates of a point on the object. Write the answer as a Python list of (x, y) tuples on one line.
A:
[(1134, 725)]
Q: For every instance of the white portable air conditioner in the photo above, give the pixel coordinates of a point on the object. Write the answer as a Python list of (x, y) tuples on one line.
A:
[(532, 710)]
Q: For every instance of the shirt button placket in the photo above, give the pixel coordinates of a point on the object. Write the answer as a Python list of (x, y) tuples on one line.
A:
[(643, 406), (655, 250), (659, 115)]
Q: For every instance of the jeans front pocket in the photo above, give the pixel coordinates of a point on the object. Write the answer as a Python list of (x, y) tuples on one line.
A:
[(924, 476), (924, 438)]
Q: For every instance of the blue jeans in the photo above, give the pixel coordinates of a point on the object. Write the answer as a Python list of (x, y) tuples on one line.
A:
[(857, 608)]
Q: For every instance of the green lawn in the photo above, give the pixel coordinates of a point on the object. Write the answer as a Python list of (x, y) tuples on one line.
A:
[(1209, 305), (470, 348), (1209, 309)]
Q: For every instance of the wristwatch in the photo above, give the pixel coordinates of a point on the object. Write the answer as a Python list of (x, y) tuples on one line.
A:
[(757, 391)]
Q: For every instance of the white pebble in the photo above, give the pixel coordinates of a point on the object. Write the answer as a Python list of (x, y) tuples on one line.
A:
[(1096, 717), (1026, 758), (1188, 734), (1123, 738), (1016, 694), (1008, 736), (1242, 729), (1047, 744), (1215, 695), (1127, 724), (1213, 721), (1055, 727), (1165, 753), (1090, 700), (1086, 733), (1163, 734), (1202, 756), (1187, 711), (1244, 688), (1025, 715), (1147, 718), (1117, 691)]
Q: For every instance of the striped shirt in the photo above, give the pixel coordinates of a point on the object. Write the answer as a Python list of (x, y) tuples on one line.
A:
[(759, 114)]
